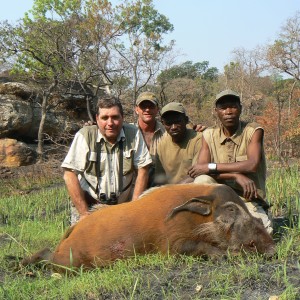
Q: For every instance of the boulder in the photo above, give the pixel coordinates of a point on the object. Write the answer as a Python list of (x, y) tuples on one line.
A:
[(15, 115), (15, 154), (16, 88), (57, 124), (20, 113), (21, 119)]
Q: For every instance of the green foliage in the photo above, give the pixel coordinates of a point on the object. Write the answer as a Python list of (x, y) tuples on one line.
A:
[(84, 41), (141, 17), (45, 9), (190, 71)]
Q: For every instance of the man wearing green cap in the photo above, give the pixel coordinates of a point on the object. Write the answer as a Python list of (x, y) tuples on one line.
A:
[(232, 153), (146, 108), (179, 147)]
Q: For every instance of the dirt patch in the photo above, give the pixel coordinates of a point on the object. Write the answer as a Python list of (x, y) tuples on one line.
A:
[(30, 171)]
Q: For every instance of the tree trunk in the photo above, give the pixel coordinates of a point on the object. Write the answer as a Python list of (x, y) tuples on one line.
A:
[(46, 95), (88, 107), (40, 148)]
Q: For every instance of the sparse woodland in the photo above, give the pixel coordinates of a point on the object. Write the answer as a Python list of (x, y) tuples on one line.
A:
[(91, 48)]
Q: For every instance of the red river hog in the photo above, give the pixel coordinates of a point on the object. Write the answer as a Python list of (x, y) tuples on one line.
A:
[(191, 219)]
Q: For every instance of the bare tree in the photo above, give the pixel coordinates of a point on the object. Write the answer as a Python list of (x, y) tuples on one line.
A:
[(244, 75), (284, 54)]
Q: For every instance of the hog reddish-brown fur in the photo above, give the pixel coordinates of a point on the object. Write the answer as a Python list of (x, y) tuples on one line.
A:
[(188, 219)]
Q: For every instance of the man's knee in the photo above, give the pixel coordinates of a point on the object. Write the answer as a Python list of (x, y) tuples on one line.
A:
[(205, 179), (74, 215), (257, 211)]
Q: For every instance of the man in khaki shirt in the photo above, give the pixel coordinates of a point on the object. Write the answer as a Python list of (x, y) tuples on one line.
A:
[(179, 147), (233, 154)]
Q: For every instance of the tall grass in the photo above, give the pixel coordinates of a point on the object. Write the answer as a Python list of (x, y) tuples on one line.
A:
[(38, 219), (283, 192)]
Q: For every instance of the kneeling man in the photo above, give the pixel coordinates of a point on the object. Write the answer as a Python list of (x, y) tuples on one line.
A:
[(232, 153)]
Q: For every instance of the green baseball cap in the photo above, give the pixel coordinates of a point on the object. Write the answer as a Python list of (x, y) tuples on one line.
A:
[(146, 96), (227, 94), (173, 106)]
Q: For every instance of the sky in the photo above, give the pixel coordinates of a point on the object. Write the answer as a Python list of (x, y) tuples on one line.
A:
[(207, 30)]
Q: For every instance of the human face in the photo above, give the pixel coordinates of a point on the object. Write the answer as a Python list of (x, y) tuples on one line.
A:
[(175, 125), (147, 111), (228, 112), (110, 122)]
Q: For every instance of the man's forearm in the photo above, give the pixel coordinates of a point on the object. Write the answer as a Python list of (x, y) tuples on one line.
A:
[(238, 167), (141, 182), (224, 176), (75, 191)]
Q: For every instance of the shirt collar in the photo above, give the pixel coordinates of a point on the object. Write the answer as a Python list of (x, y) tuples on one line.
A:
[(236, 137), (100, 136), (158, 126)]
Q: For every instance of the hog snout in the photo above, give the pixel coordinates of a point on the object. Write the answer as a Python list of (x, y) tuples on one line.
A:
[(237, 230), (258, 239)]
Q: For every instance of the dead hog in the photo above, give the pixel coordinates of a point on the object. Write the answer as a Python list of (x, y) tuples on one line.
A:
[(189, 219)]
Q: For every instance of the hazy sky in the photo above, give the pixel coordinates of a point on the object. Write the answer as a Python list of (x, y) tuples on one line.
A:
[(208, 29)]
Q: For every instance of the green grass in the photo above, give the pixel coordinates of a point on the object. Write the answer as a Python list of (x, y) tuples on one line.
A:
[(32, 221), (283, 191)]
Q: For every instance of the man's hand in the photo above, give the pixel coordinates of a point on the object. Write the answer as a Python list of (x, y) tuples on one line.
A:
[(198, 169), (89, 123), (248, 186)]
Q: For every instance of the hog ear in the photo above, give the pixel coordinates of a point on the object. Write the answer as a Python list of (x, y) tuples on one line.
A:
[(228, 213), (196, 205)]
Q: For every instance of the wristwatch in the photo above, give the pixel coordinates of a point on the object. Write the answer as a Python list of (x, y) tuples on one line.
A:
[(212, 167)]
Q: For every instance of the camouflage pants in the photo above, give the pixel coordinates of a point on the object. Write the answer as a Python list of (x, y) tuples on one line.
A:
[(74, 215)]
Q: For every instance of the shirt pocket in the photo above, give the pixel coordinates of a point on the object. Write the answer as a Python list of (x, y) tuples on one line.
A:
[(93, 162), (128, 162)]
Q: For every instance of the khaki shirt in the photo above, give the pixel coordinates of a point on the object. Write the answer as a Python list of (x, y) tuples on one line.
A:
[(174, 160), (234, 149), (82, 158)]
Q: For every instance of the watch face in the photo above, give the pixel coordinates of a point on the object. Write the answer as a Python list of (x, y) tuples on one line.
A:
[(212, 166)]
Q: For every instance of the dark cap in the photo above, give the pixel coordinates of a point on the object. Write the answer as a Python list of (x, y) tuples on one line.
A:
[(146, 96), (227, 94), (173, 106)]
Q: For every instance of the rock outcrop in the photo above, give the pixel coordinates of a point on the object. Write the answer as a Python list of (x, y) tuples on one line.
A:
[(15, 154), (20, 115)]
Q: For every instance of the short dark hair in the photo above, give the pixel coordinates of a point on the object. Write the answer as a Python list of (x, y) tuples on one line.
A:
[(108, 102)]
